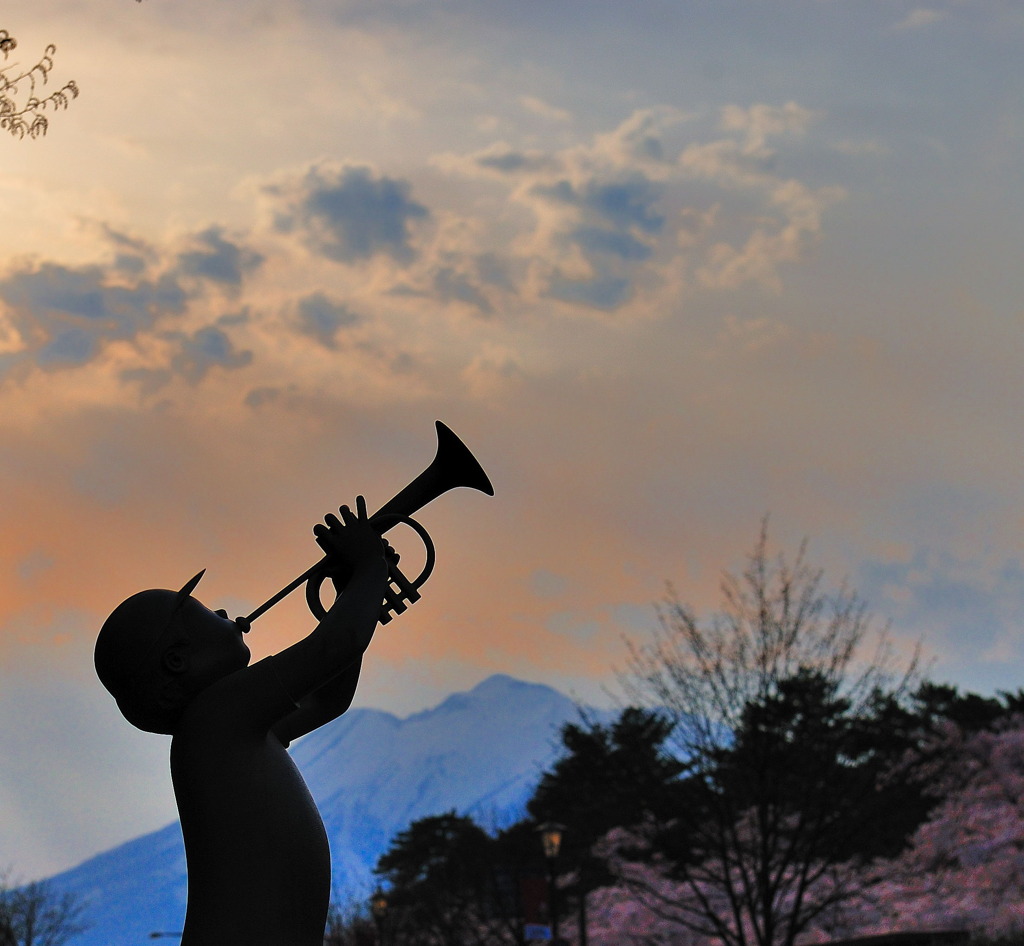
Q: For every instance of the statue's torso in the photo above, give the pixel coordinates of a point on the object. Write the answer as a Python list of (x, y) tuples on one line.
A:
[(259, 869)]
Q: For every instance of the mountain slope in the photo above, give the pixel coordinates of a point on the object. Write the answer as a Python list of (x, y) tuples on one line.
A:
[(371, 773)]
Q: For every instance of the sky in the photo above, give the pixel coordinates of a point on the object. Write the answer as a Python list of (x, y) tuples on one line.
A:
[(667, 267)]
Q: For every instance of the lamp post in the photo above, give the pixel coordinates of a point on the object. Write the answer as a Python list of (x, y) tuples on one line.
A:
[(379, 909), (551, 842)]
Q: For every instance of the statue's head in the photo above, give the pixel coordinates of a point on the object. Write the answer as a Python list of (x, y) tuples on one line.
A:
[(159, 648)]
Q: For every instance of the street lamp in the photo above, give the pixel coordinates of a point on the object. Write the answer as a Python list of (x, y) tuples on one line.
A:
[(379, 909), (551, 841), (551, 838)]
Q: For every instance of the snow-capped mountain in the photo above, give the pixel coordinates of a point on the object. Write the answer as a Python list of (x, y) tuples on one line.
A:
[(371, 773)]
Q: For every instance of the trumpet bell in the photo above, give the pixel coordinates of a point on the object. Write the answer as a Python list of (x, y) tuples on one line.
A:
[(453, 465)]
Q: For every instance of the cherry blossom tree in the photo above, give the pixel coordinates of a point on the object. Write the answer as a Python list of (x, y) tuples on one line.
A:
[(617, 916), (964, 867), (23, 105)]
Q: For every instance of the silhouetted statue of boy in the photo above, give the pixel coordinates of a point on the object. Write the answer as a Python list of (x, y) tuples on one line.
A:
[(259, 871)]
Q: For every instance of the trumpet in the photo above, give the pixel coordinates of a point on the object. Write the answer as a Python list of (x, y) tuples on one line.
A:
[(453, 465)]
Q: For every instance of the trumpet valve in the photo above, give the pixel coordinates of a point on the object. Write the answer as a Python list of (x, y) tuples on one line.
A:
[(398, 594)]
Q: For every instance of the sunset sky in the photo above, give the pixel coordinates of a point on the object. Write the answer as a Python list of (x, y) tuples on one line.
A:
[(667, 267)]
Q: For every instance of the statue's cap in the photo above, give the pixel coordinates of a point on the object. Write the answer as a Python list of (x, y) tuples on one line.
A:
[(190, 586)]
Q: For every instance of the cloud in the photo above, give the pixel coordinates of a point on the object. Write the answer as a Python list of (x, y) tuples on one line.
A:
[(612, 242), (598, 292), (615, 215), (787, 215), (492, 372), (454, 271), (454, 286), (322, 318), (758, 123), (920, 17), (750, 335), (348, 214), (206, 348), (641, 141), (500, 158), (598, 226), (545, 110), (631, 218), (218, 259), (59, 316), (190, 356), (55, 316), (624, 204)]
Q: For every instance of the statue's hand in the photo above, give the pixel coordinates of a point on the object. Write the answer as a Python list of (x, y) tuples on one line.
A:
[(351, 542)]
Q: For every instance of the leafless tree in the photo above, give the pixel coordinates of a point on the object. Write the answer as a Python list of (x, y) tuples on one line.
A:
[(776, 701), (34, 914), (23, 105)]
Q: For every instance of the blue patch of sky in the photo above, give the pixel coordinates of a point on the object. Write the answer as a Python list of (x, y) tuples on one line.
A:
[(964, 604)]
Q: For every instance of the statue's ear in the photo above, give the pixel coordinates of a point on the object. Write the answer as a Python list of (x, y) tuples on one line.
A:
[(175, 659)]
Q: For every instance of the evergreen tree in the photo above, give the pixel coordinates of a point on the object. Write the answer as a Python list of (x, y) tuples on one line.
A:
[(444, 886)]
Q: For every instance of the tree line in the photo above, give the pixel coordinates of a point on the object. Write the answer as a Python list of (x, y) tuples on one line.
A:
[(780, 775)]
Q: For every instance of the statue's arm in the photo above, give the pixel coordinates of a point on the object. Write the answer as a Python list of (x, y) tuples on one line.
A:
[(328, 659), (320, 706)]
